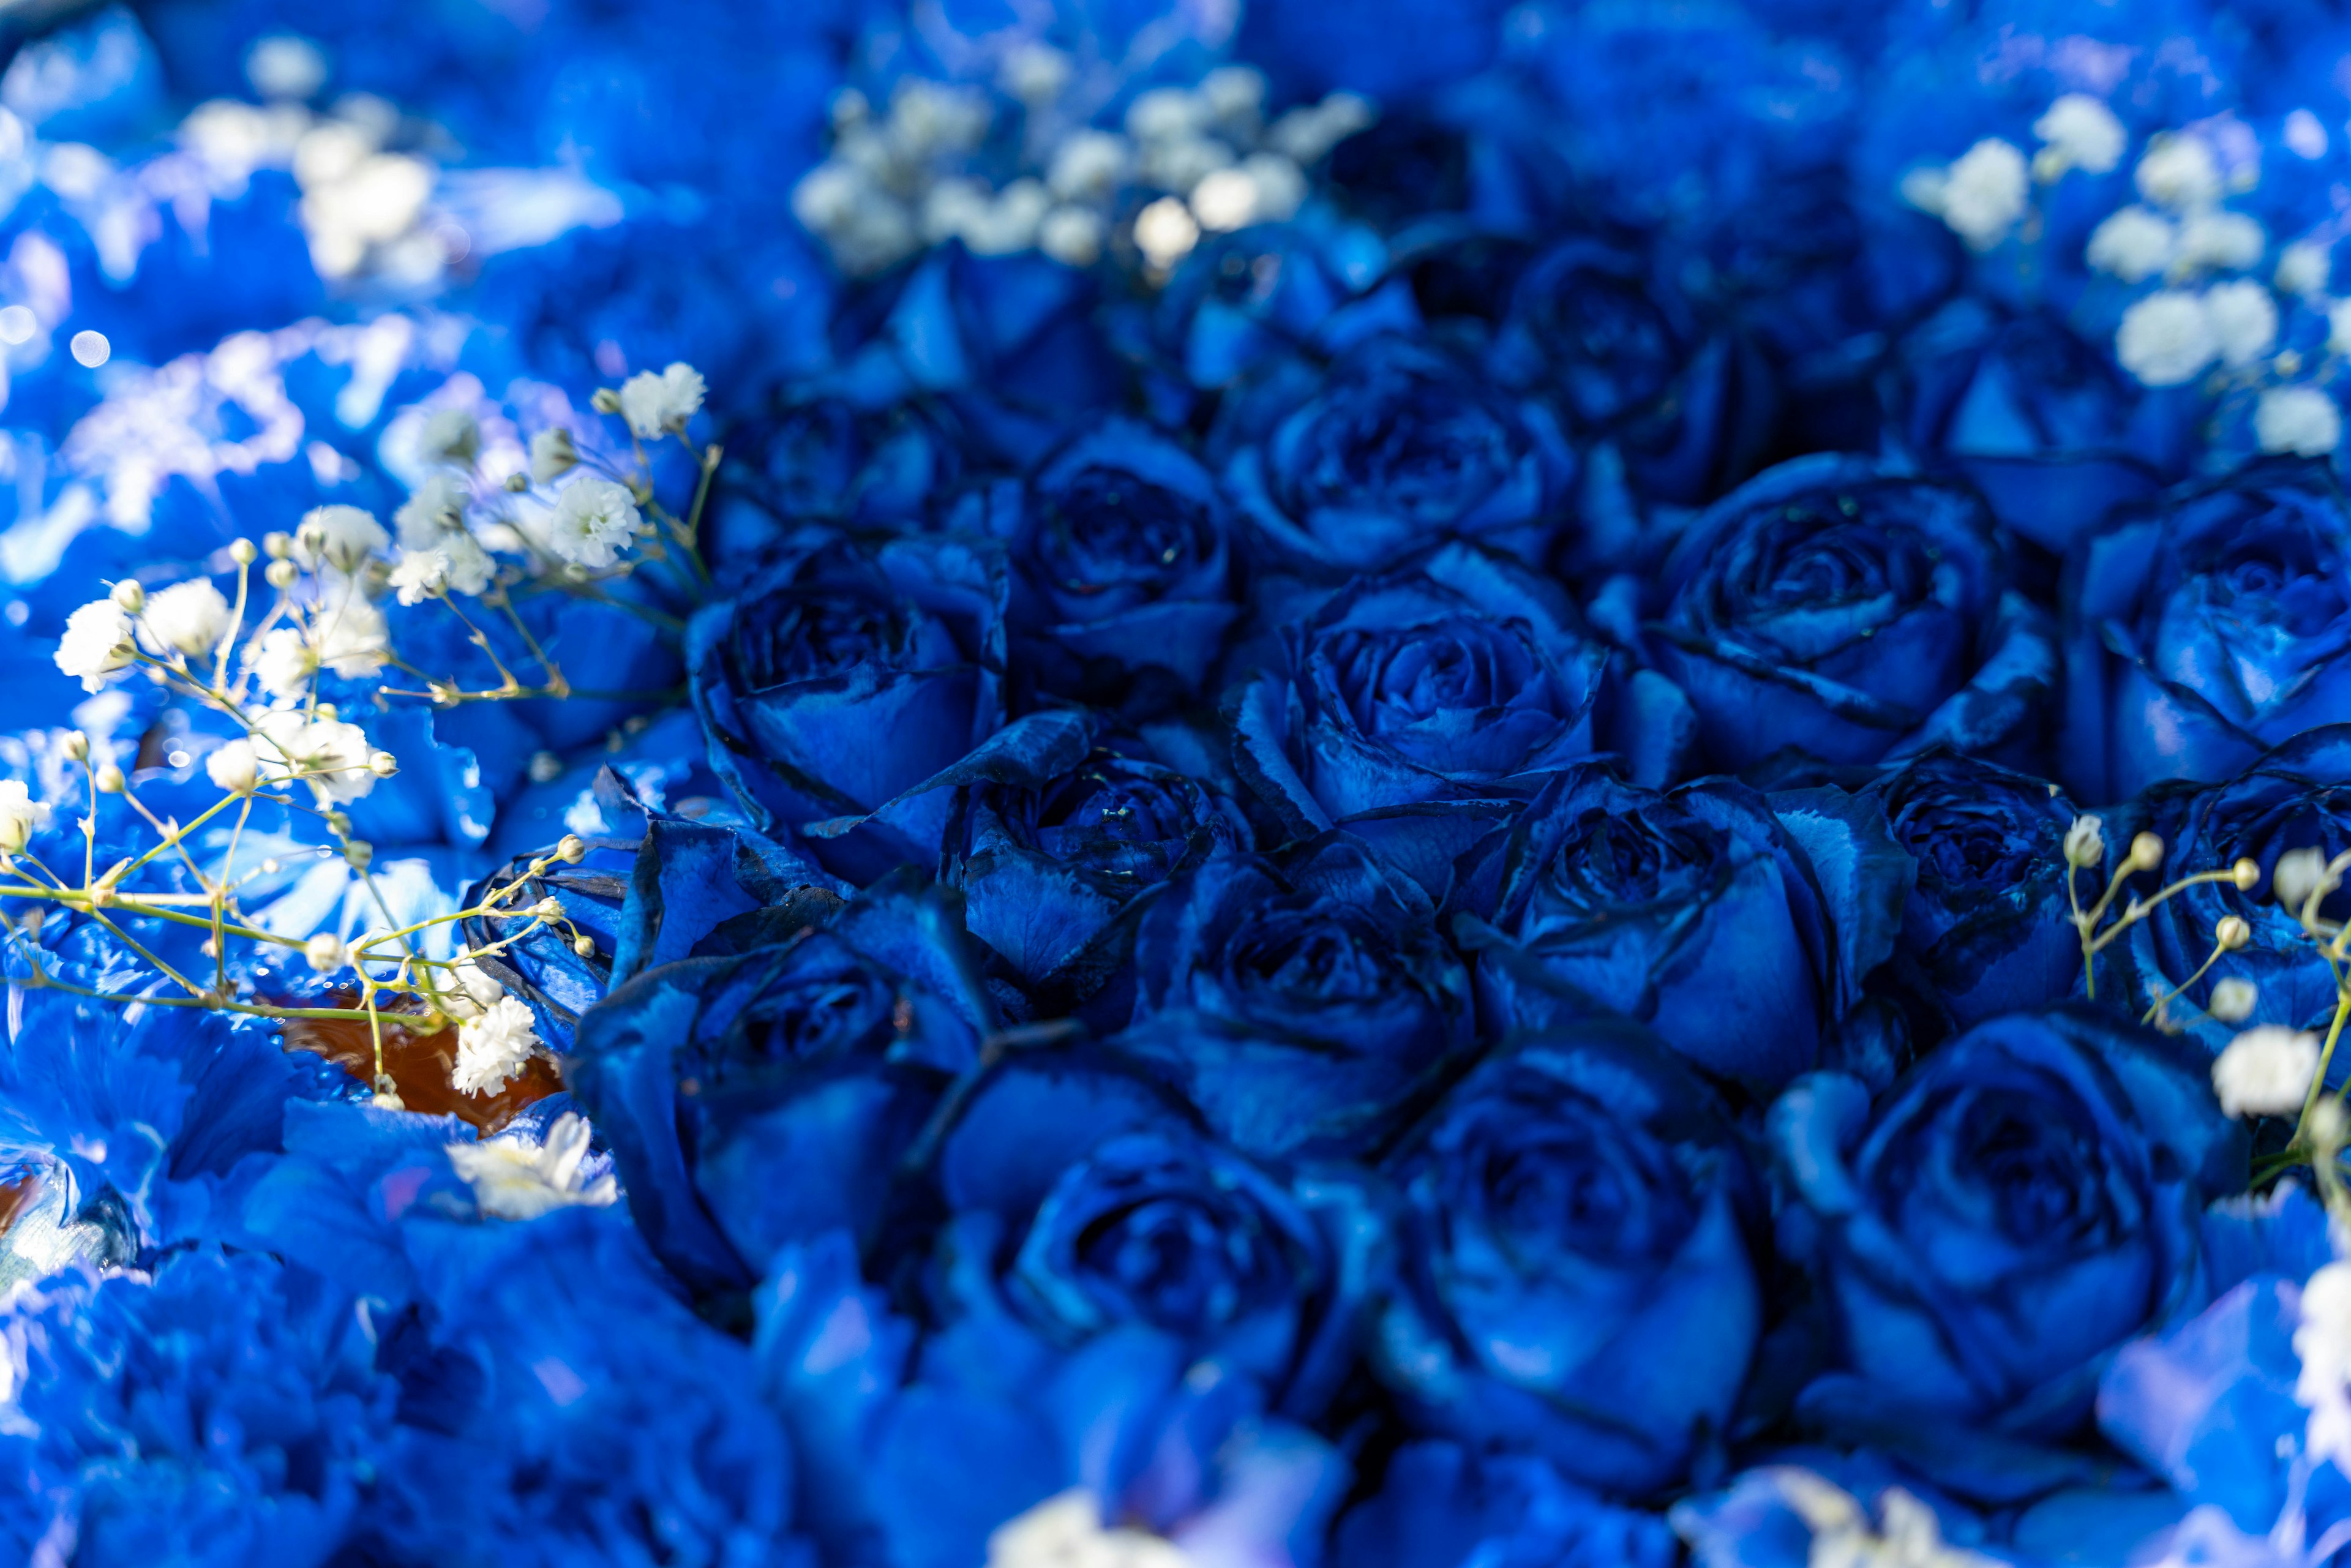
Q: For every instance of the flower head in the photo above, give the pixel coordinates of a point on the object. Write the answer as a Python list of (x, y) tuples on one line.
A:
[(349, 637), (20, 816), (2166, 338), (492, 1048), (330, 754), (2266, 1072), (340, 539), (514, 1180), (2083, 132), (654, 404), (2300, 420), (552, 454), (2134, 244), (185, 618), (436, 507), (594, 520), (97, 644)]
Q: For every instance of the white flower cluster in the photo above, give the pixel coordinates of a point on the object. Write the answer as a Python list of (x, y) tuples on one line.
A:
[(1193, 160), (516, 1178), (2323, 1343)]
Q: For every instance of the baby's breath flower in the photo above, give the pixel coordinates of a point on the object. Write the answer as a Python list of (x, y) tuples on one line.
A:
[(2244, 321), (450, 436), (594, 521), (655, 403), (2133, 244), (338, 537), (2266, 1072), (2084, 131), (1983, 192), (2300, 420), (419, 574), (2179, 172), (552, 454), (97, 644), (325, 953), (21, 816), (436, 506), (328, 754), (492, 1048), (2166, 338), (284, 664), (2220, 242), (185, 618), (2233, 999), (234, 767), (349, 637), (514, 1180)]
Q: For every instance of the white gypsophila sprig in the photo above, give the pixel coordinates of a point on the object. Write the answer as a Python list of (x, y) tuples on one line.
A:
[(339, 538), (493, 1047), (655, 404), (2301, 420), (514, 1179), (2166, 338), (99, 641), (187, 618), (2233, 999), (2079, 132), (592, 521), (2133, 244), (21, 816), (2266, 1072), (2243, 318), (349, 636), (1980, 195), (2178, 171), (331, 755), (552, 454), (433, 509)]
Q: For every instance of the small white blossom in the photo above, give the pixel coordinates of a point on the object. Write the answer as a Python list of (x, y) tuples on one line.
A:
[(2179, 172), (349, 637), (284, 664), (2323, 1343), (1983, 192), (1071, 235), (493, 1047), (437, 507), (2233, 999), (328, 754), (470, 989), (594, 520), (21, 816), (1088, 166), (653, 404), (419, 574), (2244, 321), (1165, 231), (1166, 113), (339, 537), (2266, 1072), (450, 436), (2304, 136), (2304, 268), (552, 454), (2084, 131), (234, 766), (2300, 420), (325, 953), (1036, 73), (186, 618), (2219, 241), (1067, 1532), (2086, 841), (2166, 339), (2133, 244), (2299, 876), (470, 566), (515, 1180), (97, 643)]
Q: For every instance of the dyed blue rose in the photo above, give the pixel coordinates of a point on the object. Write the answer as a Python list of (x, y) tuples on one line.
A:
[(1738, 928), (1469, 677), (1123, 572), (1052, 874), (2207, 627), (2042, 422), (2024, 1201), (1242, 299), (1624, 357), (1442, 1506), (1397, 449), (1084, 1200), (2298, 798), (1840, 608), (843, 690), (1306, 1007), (1575, 1274), (228, 1411), (721, 1081), (1987, 922)]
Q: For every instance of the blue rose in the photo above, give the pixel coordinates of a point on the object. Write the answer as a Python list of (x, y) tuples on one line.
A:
[(1084, 1200), (1738, 928), (1442, 1506), (1626, 358), (1986, 921), (1575, 1277), (1398, 448), (1469, 677), (2298, 798), (2021, 1203), (1306, 1007), (1123, 572), (825, 456), (2207, 627), (843, 691), (717, 1079), (1052, 874), (1843, 609), (1243, 299), (2042, 422)]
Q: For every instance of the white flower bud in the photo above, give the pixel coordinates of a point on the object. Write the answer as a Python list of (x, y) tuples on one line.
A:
[(2300, 875), (109, 780), (2146, 852), (552, 454), (21, 816), (325, 953), (2232, 932), (382, 763), (242, 552), (234, 767), (2233, 999), (131, 597), (77, 745), (571, 848), (2085, 843), (2266, 1072)]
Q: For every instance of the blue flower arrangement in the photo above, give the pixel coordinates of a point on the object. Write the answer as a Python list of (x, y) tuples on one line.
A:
[(1174, 784)]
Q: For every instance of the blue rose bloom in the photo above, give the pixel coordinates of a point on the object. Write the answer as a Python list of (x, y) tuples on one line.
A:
[(2042, 422), (1081, 1200), (1468, 678), (2298, 798), (1052, 874), (1441, 1505), (1738, 928), (1575, 1276), (1397, 448), (1986, 921), (1306, 1007), (227, 1411), (843, 690), (2026, 1198), (1123, 572), (717, 1079), (1851, 612), (2206, 627), (1243, 299), (1624, 357)]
